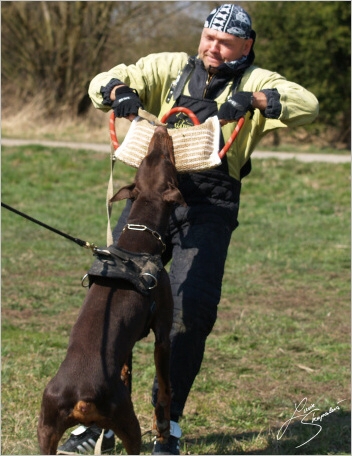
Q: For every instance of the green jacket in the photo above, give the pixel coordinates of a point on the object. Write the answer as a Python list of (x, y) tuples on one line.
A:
[(153, 75)]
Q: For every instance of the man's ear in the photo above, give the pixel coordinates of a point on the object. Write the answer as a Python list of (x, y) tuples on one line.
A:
[(173, 195), (128, 192)]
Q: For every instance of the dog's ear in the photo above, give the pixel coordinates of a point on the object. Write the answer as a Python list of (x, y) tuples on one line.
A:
[(128, 192), (173, 195)]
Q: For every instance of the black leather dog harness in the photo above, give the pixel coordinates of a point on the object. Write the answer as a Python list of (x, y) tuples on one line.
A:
[(141, 269)]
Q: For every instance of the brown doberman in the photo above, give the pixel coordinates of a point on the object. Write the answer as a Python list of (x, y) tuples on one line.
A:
[(90, 385)]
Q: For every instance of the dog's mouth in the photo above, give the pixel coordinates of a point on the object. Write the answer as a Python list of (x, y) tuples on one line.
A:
[(162, 141)]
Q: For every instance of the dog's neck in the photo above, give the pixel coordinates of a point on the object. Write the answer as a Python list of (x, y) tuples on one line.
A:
[(148, 240)]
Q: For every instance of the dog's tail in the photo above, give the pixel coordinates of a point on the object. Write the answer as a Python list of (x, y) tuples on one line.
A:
[(86, 412)]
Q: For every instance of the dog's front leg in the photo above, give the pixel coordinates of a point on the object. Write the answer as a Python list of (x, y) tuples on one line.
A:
[(162, 327), (49, 435), (161, 423)]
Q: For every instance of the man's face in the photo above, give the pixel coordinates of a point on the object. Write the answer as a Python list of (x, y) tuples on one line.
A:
[(217, 47)]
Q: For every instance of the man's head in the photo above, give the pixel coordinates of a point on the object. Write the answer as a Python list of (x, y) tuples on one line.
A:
[(231, 19), (226, 37)]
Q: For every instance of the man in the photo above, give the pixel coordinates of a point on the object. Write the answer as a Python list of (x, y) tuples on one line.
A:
[(221, 80)]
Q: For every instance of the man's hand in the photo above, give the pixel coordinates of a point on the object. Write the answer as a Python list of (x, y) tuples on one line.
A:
[(126, 102), (236, 107)]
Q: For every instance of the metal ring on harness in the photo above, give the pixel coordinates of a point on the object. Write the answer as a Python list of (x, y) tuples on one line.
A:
[(82, 281), (151, 275)]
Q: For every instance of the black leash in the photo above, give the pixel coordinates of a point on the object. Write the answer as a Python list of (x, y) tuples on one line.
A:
[(78, 241)]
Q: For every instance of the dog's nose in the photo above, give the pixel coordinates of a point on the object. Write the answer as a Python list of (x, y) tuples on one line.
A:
[(160, 129)]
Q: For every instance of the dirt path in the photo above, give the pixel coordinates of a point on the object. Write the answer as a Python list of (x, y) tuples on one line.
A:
[(105, 148)]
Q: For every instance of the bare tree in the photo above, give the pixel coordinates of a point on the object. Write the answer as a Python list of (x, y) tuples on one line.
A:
[(54, 49), (44, 45)]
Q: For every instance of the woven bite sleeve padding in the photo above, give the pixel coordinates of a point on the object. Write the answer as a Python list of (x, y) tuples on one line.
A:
[(196, 148)]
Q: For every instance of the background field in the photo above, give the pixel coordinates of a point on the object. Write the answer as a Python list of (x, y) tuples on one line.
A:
[(283, 331)]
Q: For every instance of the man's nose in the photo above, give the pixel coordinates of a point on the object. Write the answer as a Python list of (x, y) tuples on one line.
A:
[(214, 46)]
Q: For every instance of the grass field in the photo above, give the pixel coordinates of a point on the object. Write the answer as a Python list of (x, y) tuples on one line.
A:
[(282, 339)]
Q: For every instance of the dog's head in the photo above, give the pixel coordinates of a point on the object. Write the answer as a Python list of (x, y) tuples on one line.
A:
[(156, 175)]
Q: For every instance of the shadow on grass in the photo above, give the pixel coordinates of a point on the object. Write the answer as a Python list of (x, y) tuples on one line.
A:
[(334, 438)]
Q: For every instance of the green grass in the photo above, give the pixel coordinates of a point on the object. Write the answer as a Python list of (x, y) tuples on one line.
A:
[(283, 328), (289, 144)]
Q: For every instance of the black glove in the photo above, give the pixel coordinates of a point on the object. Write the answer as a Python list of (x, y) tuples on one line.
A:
[(236, 106), (127, 102)]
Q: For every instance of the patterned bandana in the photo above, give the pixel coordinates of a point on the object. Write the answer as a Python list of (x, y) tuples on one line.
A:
[(232, 19)]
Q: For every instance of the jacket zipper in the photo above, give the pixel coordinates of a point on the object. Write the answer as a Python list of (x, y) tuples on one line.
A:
[(207, 83)]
